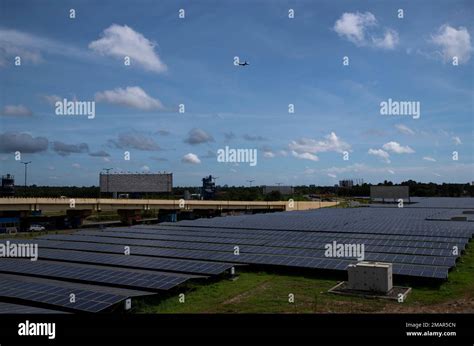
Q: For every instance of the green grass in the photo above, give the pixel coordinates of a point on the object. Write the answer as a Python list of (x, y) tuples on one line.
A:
[(267, 292)]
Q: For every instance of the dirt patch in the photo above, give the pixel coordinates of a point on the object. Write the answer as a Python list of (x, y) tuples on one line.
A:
[(242, 296), (460, 305)]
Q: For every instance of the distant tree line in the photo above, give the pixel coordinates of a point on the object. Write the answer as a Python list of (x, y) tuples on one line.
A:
[(242, 193), (416, 189)]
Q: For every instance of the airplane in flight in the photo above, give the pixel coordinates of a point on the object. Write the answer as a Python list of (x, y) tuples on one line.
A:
[(245, 63)]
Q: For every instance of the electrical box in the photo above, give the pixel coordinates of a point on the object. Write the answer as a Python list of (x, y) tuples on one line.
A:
[(370, 276), (128, 304)]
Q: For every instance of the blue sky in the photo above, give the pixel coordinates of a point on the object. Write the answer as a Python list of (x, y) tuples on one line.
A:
[(189, 61)]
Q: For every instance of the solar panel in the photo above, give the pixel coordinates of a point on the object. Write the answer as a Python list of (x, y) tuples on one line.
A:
[(140, 262), (213, 239), (92, 274), (281, 247), (246, 234), (8, 308), (88, 298)]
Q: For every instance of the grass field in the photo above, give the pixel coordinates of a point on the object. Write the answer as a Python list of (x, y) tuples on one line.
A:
[(268, 292)]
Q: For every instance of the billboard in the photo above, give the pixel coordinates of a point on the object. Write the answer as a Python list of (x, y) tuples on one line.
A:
[(390, 192), (136, 182)]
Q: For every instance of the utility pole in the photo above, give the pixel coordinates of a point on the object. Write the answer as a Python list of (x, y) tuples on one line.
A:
[(107, 172), (250, 182), (26, 169)]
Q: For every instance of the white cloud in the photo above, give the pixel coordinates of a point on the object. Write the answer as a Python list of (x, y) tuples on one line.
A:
[(404, 129), (355, 168), (453, 43), (457, 140), (30, 47), (120, 41), (133, 97), (389, 41), (396, 148), (352, 26), (268, 154), (429, 158), (52, 99), (332, 175), (305, 156), (362, 29), (17, 111), (14, 43), (76, 165), (391, 171), (381, 154), (191, 158), (23, 142), (145, 168), (198, 136), (305, 148), (134, 140)]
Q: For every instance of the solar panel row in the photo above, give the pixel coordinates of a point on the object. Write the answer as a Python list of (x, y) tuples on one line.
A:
[(277, 247), (258, 234), (139, 262), (278, 235), (265, 242), (8, 308), (87, 298), (92, 274)]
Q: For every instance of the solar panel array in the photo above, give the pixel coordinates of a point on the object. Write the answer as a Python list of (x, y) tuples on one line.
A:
[(266, 255), (87, 298), (408, 238), (421, 240), (63, 269)]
